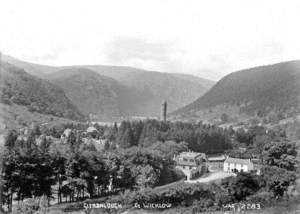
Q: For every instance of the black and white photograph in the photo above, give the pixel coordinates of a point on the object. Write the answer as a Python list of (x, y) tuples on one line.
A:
[(149, 106)]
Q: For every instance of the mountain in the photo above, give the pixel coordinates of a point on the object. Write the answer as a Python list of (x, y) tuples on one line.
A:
[(120, 91), (259, 90), (152, 87), (94, 94), (31, 68), (127, 75), (20, 88), (139, 94)]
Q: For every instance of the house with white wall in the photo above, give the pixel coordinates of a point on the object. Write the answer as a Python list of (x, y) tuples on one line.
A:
[(238, 165)]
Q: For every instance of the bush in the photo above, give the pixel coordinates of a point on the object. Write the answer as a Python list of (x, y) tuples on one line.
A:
[(242, 186), (73, 207), (30, 206), (204, 205), (178, 195), (262, 198)]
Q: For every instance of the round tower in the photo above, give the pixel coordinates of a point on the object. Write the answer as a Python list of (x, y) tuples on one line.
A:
[(163, 116)]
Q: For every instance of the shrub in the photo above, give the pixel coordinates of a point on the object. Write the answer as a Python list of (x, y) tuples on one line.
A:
[(30, 206), (262, 198), (178, 195)]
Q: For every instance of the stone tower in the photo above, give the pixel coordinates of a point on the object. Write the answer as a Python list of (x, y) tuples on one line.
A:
[(163, 116)]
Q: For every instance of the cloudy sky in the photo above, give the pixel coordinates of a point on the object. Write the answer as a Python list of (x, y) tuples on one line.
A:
[(206, 38)]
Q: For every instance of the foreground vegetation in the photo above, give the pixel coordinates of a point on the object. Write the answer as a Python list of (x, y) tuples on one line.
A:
[(135, 159)]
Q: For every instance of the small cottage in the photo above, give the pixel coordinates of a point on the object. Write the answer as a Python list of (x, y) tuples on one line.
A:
[(238, 165)]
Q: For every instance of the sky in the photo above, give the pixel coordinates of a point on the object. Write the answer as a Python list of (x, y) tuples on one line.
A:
[(207, 38)]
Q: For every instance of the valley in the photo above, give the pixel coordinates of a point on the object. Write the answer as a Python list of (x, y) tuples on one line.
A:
[(110, 93), (99, 134)]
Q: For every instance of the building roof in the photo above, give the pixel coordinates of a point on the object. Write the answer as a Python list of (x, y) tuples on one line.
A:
[(191, 155), (217, 158), (238, 160), (190, 158), (91, 129), (67, 132)]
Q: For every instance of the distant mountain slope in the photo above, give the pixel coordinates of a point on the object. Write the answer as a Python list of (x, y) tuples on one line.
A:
[(140, 95), (31, 68), (138, 92), (204, 82), (152, 87), (93, 94), (261, 89), (21, 88), (126, 74)]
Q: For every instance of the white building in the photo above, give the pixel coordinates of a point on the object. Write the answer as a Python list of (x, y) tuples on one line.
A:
[(238, 165), (91, 129), (66, 133)]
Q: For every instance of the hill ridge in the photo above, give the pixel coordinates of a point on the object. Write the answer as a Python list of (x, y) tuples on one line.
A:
[(274, 86)]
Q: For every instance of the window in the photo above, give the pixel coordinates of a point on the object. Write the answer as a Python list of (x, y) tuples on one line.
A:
[(184, 159)]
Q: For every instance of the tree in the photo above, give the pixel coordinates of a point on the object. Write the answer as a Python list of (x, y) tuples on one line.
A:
[(125, 136), (244, 137), (45, 145), (36, 130), (150, 133), (10, 139), (224, 118), (280, 162), (137, 128), (281, 154), (93, 171), (147, 176), (145, 166), (100, 129), (169, 148), (90, 167), (120, 172), (243, 185), (277, 180), (2, 182), (58, 165), (259, 142)]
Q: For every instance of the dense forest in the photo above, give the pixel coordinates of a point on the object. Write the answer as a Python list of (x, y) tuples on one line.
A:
[(136, 160), (198, 137)]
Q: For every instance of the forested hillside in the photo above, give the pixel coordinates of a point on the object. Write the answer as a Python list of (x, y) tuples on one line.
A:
[(95, 95), (259, 90), (21, 88)]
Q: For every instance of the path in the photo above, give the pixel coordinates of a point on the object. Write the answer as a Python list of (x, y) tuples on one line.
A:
[(213, 176)]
